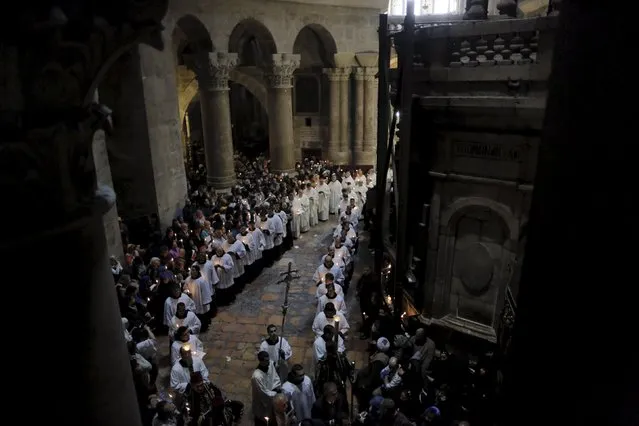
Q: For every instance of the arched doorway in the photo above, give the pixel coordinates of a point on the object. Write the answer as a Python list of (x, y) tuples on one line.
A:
[(255, 47), (190, 37), (317, 48)]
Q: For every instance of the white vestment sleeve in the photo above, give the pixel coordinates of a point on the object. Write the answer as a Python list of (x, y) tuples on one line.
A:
[(176, 382), (196, 324), (288, 351), (259, 382), (318, 324), (168, 315)]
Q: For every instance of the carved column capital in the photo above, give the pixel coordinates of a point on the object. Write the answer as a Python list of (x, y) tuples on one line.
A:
[(338, 74), (359, 74), (370, 73), (212, 69), (279, 74)]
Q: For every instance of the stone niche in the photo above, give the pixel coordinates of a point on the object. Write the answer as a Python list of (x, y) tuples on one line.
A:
[(475, 259)]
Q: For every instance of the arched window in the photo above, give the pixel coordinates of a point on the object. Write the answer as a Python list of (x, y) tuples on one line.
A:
[(425, 7)]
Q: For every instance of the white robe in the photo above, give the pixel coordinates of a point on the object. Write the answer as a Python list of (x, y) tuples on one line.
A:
[(224, 268), (191, 321), (239, 253), (274, 350), (323, 194), (278, 226), (320, 322), (296, 211), (210, 274), (312, 206), (148, 349), (342, 255), (262, 390), (181, 376), (260, 242), (197, 348), (301, 396), (170, 307), (319, 347), (339, 302), (306, 211), (334, 196), (200, 291), (322, 270), (269, 237), (251, 251), (348, 182), (321, 290), (284, 218)]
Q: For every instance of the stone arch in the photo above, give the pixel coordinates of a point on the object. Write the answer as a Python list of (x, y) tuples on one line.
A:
[(253, 43), (255, 87), (190, 35), (315, 37), (457, 208)]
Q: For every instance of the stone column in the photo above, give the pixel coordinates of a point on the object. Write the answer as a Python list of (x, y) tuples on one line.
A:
[(344, 115), (370, 114), (333, 76), (212, 73), (358, 137), (279, 77)]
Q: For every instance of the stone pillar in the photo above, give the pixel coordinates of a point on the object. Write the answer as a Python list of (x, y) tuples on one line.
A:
[(344, 115), (279, 77), (212, 71), (333, 76), (358, 137), (370, 114)]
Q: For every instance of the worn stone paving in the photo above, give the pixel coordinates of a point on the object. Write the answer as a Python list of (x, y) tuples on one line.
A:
[(232, 341)]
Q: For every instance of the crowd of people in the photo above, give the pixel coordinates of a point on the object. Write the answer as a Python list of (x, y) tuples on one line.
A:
[(172, 281)]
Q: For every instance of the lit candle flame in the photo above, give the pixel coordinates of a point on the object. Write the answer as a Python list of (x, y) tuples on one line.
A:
[(336, 318), (389, 300), (187, 348)]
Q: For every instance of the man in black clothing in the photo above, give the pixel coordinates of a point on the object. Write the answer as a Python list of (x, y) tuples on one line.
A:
[(330, 409)]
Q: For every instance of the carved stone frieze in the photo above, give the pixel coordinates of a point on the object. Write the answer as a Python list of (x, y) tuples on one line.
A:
[(279, 75), (52, 63), (358, 73), (212, 69), (338, 74), (370, 73)]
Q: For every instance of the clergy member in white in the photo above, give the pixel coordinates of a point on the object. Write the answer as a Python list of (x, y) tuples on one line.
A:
[(185, 318), (347, 180), (312, 204), (331, 296), (299, 390), (335, 194), (268, 229), (332, 317), (305, 224), (264, 383), (200, 291), (328, 280), (326, 267), (184, 339), (224, 267), (170, 304), (248, 240), (278, 354), (237, 251), (319, 345), (182, 369), (210, 274), (323, 194), (260, 241), (296, 212)]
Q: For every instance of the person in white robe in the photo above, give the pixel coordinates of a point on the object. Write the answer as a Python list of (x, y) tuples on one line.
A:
[(236, 250), (328, 280), (278, 349), (299, 390), (264, 383), (304, 220), (278, 228), (224, 268), (360, 191), (248, 240), (332, 297), (125, 330), (182, 369), (332, 317), (319, 345), (343, 203), (210, 275), (335, 194), (184, 339), (356, 212), (184, 318), (170, 304), (323, 194), (268, 229), (371, 178), (296, 211), (347, 181), (311, 193), (260, 241), (336, 261), (328, 266), (200, 291), (217, 240), (341, 252)]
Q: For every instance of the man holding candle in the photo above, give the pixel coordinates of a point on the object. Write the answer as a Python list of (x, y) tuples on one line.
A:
[(330, 316), (265, 384)]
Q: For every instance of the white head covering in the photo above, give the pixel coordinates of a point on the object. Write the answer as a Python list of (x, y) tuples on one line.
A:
[(383, 344)]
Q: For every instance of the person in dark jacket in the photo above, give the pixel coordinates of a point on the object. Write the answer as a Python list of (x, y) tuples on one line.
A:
[(330, 409)]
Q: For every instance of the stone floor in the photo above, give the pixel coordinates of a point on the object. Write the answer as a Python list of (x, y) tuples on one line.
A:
[(234, 337)]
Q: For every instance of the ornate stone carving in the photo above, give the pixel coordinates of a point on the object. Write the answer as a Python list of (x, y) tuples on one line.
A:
[(212, 69), (50, 71), (338, 74), (370, 74), (359, 73), (279, 75), (475, 267)]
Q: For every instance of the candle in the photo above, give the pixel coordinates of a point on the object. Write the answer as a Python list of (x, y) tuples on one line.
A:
[(389, 300), (336, 319), (187, 348), (266, 420)]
